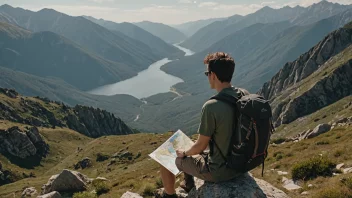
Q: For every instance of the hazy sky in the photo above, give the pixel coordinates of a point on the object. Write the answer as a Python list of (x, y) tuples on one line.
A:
[(164, 11)]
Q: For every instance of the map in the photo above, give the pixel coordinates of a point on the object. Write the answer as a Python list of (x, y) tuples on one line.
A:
[(166, 153)]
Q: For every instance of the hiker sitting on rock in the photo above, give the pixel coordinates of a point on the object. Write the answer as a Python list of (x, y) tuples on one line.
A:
[(216, 125)]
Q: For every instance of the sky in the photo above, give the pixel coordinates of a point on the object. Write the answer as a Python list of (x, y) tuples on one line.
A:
[(163, 11)]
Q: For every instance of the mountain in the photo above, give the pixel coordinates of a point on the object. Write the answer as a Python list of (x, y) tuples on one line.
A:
[(157, 45), (260, 64), (41, 112), (123, 106), (116, 46), (270, 54), (47, 54), (322, 75), (216, 31), (165, 32), (189, 28)]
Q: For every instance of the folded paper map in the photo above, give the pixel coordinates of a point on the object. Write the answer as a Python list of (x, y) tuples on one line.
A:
[(166, 153)]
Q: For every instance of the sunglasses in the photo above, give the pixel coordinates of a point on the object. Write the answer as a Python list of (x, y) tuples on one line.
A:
[(207, 73)]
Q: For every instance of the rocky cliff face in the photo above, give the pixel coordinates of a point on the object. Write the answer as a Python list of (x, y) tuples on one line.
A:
[(41, 112), (23, 144), (306, 64), (330, 83)]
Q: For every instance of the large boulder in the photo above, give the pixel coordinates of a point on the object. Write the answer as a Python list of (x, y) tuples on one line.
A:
[(240, 187), (51, 195), (66, 181), (320, 129)]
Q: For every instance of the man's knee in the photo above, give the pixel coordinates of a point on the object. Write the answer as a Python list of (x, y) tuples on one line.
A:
[(178, 163)]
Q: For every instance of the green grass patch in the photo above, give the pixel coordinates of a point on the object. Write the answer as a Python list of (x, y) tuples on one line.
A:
[(312, 168)]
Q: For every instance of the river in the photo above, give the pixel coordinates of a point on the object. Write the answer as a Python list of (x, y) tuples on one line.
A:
[(147, 83)]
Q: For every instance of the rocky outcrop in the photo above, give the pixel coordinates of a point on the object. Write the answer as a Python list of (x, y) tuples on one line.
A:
[(306, 64), (9, 92), (86, 120), (51, 195), (324, 92), (29, 192), (131, 195), (96, 122), (85, 163), (243, 186), (23, 144), (66, 181)]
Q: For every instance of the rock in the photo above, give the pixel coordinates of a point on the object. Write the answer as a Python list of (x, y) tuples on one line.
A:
[(305, 193), (51, 195), (96, 122), (347, 170), (131, 195), (320, 129), (66, 181), (113, 161), (282, 173), (310, 185), (29, 192), (339, 166), (289, 184), (243, 186), (84, 163), (23, 144), (11, 93), (101, 179)]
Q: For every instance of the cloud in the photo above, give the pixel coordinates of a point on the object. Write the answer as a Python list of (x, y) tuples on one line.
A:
[(208, 4), (186, 1), (102, 1)]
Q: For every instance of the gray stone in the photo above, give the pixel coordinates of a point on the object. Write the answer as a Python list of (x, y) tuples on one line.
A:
[(289, 184), (243, 186), (305, 193), (339, 166), (282, 173), (51, 195), (29, 192), (347, 170), (66, 181), (318, 130), (131, 195)]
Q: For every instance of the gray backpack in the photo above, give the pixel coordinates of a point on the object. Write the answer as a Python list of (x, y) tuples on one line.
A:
[(252, 131)]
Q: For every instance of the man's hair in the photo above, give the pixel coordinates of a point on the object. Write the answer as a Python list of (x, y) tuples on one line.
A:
[(221, 64)]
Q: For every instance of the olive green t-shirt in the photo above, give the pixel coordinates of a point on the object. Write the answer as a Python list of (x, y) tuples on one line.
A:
[(217, 122)]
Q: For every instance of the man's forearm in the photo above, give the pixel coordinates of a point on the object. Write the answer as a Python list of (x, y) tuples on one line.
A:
[(194, 150)]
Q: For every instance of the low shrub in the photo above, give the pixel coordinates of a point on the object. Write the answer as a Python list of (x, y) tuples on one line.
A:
[(333, 192), (312, 168), (149, 190), (84, 195), (159, 183), (278, 140), (101, 187), (102, 157)]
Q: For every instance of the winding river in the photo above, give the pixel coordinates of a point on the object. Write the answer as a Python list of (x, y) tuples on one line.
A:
[(147, 83)]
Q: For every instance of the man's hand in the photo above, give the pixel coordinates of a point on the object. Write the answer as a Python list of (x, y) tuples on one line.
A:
[(180, 153)]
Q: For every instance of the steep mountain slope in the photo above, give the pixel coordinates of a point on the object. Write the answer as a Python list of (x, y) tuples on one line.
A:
[(41, 112), (331, 82), (294, 72), (259, 65), (189, 28), (48, 54), (216, 31), (97, 39), (165, 32), (157, 45)]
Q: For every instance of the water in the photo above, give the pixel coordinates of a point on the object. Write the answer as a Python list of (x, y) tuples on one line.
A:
[(147, 83)]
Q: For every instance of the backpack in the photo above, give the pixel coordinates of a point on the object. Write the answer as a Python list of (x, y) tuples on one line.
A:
[(252, 131)]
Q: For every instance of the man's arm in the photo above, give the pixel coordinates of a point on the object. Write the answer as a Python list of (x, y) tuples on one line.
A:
[(200, 145)]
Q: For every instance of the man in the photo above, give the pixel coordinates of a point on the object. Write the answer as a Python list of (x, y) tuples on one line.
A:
[(216, 126)]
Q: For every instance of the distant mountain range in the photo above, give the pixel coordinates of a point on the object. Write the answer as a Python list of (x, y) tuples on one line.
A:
[(165, 32), (47, 54), (114, 46), (157, 45), (189, 28), (216, 31)]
